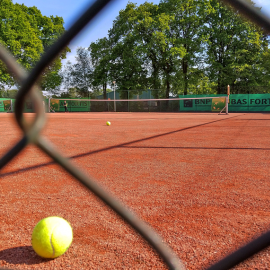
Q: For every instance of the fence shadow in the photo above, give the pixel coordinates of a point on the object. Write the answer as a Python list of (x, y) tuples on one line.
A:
[(21, 255)]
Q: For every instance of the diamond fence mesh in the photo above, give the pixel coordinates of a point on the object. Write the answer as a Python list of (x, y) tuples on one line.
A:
[(29, 90)]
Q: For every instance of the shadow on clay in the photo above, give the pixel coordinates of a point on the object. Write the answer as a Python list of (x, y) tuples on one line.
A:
[(20, 255)]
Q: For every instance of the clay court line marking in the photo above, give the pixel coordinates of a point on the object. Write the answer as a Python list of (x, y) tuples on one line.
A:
[(113, 147), (201, 148), (149, 119)]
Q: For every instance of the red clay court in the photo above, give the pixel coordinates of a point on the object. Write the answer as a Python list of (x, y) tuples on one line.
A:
[(201, 180)]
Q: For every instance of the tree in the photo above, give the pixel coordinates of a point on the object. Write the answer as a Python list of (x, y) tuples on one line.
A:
[(79, 74), (70, 93), (66, 74), (191, 46), (17, 35), (100, 52), (265, 68), (82, 71), (186, 29), (181, 45), (128, 66), (142, 33), (234, 47), (27, 34), (8, 93)]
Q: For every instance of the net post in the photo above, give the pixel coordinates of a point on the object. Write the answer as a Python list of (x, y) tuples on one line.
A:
[(11, 105), (114, 96), (49, 105), (227, 99), (227, 105)]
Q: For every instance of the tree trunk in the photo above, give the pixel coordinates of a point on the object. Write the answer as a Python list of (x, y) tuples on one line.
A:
[(167, 88), (219, 82), (104, 86), (155, 78), (185, 68), (167, 93)]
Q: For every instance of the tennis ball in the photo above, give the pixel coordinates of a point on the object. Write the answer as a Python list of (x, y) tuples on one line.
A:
[(108, 123), (51, 237)]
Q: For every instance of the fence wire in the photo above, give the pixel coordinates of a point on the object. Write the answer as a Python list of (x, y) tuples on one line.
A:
[(31, 130)]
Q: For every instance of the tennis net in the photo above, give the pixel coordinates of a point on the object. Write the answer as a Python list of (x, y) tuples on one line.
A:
[(188, 104)]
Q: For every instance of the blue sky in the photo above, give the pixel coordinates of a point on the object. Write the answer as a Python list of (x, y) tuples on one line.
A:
[(69, 10)]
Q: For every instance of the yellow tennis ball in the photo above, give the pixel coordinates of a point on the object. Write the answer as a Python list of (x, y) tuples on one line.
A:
[(108, 123), (52, 237)]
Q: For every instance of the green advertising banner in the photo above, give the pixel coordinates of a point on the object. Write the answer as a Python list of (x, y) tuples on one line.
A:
[(54, 103), (218, 104), (2, 105), (200, 105), (5, 105), (79, 105), (237, 103), (29, 106), (249, 103)]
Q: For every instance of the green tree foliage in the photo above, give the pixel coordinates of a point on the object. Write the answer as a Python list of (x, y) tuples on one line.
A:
[(79, 74), (179, 47), (264, 71), (143, 32), (8, 93), (27, 34), (185, 29), (127, 62), (100, 52), (82, 71), (235, 48), (70, 93)]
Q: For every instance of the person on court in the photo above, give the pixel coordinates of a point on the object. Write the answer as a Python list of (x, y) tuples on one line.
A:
[(65, 105)]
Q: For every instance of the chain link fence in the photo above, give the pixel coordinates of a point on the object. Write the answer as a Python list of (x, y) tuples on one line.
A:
[(32, 131)]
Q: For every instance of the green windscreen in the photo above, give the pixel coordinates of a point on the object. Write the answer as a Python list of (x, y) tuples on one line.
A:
[(250, 103), (74, 105), (237, 103), (197, 104), (5, 105), (218, 104)]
